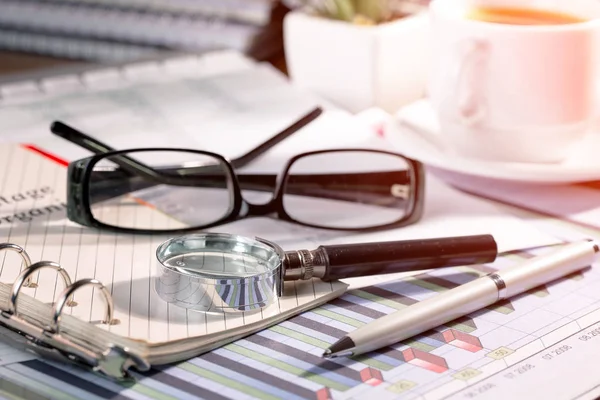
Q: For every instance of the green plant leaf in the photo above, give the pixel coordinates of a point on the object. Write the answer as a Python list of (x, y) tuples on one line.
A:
[(344, 10), (372, 9)]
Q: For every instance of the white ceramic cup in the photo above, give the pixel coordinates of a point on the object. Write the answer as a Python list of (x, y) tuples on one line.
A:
[(523, 93)]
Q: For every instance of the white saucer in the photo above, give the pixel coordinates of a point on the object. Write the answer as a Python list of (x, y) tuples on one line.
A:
[(415, 133)]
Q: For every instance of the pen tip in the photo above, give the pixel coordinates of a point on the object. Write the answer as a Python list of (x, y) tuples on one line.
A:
[(341, 348)]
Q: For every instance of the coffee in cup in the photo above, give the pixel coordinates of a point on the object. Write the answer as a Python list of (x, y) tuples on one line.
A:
[(521, 16)]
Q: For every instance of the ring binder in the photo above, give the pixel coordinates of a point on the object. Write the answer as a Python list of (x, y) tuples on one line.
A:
[(24, 256), (25, 275), (68, 293), (41, 332)]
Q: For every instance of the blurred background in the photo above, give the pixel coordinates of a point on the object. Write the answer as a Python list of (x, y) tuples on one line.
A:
[(43, 33)]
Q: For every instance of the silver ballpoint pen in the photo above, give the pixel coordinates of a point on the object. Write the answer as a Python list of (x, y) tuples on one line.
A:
[(465, 299)]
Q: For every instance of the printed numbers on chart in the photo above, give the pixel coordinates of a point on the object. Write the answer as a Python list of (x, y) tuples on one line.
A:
[(479, 390), (556, 352), (401, 386), (466, 374), (500, 353), (520, 370), (590, 335)]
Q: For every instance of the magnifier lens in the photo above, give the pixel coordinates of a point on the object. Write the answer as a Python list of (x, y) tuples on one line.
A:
[(217, 272)]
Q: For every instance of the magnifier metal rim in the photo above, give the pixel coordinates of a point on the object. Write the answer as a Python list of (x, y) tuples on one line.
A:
[(215, 293), (267, 245)]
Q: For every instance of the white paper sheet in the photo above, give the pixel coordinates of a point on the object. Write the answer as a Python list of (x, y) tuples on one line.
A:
[(227, 105)]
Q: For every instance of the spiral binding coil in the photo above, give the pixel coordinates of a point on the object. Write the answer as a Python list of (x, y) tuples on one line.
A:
[(49, 340)]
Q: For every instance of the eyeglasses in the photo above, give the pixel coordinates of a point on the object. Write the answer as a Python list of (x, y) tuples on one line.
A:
[(167, 190)]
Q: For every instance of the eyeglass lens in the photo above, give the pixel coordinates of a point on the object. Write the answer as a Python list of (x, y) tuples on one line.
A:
[(157, 190), (348, 189)]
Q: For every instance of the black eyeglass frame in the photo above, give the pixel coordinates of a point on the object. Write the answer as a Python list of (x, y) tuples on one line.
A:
[(79, 206)]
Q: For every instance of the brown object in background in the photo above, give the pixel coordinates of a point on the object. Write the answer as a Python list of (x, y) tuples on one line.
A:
[(268, 45), (13, 62)]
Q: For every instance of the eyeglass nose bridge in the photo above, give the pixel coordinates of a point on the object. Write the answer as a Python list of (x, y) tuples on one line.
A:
[(258, 210)]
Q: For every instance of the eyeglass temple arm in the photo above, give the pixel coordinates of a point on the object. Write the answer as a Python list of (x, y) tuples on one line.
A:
[(136, 167), (79, 138), (97, 147), (253, 154), (129, 165)]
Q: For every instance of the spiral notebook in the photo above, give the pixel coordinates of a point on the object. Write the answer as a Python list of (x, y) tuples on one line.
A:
[(144, 329)]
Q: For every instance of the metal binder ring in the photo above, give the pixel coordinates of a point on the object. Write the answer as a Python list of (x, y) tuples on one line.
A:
[(25, 276), (68, 292), (22, 253)]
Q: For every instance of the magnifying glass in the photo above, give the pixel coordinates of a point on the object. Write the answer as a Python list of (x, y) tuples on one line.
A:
[(216, 272)]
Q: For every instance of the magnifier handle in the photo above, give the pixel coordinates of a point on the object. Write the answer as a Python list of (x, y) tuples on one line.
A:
[(354, 260)]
